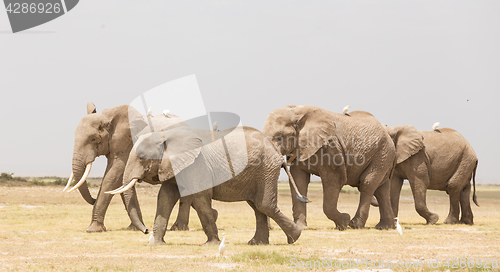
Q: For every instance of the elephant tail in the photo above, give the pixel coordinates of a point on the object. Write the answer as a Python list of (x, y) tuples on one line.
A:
[(474, 198), (300, 197)]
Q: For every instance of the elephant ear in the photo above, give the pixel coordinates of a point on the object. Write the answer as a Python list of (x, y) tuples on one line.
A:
[(136, 122), (91, 108), (182, 148), (408, 141), (315, 131)]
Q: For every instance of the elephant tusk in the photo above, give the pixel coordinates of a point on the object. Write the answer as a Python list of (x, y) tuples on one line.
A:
[(83, 179), (300, 197), (69, 182), (123, 189)]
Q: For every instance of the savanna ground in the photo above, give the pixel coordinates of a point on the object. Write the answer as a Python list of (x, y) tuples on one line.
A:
[(43, 229)]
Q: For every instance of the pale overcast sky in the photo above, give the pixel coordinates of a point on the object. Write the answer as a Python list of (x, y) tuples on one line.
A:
[(406, 62)]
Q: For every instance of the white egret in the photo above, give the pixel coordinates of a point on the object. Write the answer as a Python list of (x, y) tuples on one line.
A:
[(346, 109), (398, 227), (435, 126), (222, 246), (150, 112), (215, 126)]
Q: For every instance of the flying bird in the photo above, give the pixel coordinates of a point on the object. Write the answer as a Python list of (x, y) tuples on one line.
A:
[(435, 126), (166, 112), (346, 109), (215, 126), (150, 112), (398, 226), (222, 246)]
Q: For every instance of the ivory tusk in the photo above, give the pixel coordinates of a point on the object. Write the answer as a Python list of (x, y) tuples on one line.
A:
[(122, 189), (83, 179), (69, 182)]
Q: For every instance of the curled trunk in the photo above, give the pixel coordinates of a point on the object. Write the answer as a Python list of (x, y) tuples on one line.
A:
[(78, 169)]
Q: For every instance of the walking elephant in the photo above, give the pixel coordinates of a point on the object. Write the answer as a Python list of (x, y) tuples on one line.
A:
[(441, 160), (110, 134), (343, 149), (237, 164)]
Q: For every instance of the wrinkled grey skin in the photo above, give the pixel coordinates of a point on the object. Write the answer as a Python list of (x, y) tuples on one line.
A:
[(192, 150), (109, 134), (439, 160), (314, 133)]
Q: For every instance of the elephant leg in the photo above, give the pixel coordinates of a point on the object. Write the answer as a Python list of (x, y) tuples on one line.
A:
[(291, 229), (359, 220), (419, 191), (112, 179), (299, 209), (454, 213), (467, 216), (167, 197), (183, 216), (202, 203), (261, 236), (131, 203), (383, 195), (331, 191), (99, 210), (371, 180), (269, 226), (396, 184)]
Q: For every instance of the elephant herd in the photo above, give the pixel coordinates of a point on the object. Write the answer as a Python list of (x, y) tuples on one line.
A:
[(196, 165)]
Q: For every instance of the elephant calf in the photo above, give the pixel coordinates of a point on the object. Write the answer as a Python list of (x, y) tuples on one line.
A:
[(441, 160), (199, 157)]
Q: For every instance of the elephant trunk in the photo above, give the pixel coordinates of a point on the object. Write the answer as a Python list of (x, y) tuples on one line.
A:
[(132, 206), (78, 172)]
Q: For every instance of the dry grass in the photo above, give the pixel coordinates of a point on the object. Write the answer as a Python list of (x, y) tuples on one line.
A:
[(43, 229)]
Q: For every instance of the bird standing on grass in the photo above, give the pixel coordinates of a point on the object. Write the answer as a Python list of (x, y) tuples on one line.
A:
[(435, 126), (346, 109), (151, 239), (398, 226), (222, 246)]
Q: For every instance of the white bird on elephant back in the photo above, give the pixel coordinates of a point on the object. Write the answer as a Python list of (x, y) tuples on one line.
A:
[(435, 126), (346, 109)]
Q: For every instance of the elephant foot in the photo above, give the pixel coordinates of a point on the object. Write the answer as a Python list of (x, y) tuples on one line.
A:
[(451, 220), (258, 241), (467, 221), (302, 224), (292, 238), (432, 219), (386, 224), (155, 242), (213, 242), (342, 223), (357, 223), (179, 227), (96, 227)]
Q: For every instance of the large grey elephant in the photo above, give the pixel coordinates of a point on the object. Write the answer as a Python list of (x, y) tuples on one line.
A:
[(343, 149), (110, 134), (441, 160), (198, 156)]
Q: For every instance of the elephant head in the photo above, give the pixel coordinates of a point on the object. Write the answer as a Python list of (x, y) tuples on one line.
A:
[(107, 133), (407, 140), (302, 130), (163, 154)]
